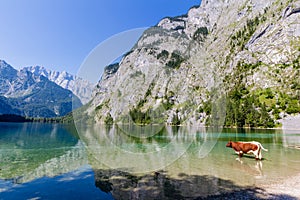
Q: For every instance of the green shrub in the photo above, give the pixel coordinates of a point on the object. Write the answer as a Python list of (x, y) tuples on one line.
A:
[(140, 117), (293, 107), (167, 104), (200, 34), (269, 93), (175, 120), (175, 61), (242, 36), (99, 107), (164, 54), (108, 119)]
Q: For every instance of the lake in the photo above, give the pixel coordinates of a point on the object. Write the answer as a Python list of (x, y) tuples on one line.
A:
[(51, 161)]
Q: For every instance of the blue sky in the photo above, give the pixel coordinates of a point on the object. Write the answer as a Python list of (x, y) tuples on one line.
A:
[(60, 34)]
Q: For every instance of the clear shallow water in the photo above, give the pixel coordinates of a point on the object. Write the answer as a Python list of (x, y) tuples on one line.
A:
[(50, 160)]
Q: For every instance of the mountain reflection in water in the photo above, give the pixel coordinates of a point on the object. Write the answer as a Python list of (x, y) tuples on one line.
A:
[(193, 174), (174, 163)]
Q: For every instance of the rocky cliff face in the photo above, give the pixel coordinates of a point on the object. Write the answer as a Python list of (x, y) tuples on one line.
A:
[(81, 88), (24, 93), (246, 50)]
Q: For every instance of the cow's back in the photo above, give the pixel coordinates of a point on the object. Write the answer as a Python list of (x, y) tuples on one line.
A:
[(248, 146)]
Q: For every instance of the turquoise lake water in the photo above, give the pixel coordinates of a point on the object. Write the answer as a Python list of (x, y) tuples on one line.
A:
[(51, 161)]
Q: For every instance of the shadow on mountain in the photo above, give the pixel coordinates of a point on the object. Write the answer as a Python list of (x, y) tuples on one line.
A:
[(158, 185)]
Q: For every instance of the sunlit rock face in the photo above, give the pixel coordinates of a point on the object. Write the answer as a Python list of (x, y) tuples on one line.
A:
[(182, 61)]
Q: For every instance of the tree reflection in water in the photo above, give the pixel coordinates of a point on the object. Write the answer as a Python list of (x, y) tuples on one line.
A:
[(183, 163)]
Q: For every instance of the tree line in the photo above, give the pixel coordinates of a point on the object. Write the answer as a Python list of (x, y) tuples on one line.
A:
[(17, 118)]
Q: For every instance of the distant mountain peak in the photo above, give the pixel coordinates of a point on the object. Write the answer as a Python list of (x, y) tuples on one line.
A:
[(4, 64), (80, 87), (6, 71), (32, 94)]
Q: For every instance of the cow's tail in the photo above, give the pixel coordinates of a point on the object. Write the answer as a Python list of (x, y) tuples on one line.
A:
[(263, 147)]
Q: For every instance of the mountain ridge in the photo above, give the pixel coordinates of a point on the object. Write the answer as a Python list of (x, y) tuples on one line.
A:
[(80, 87), (24, 93), (246, 50)]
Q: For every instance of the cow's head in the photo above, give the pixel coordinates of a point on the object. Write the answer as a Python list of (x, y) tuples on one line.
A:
[(229, 144)]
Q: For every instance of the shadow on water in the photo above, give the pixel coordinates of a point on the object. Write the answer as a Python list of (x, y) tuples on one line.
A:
[(159, 185)]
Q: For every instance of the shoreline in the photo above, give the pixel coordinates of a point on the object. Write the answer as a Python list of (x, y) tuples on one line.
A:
[(290, 122), (289, 186), (287, 189)]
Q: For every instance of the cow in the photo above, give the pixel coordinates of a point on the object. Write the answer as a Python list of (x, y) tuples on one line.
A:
[(247, 147)]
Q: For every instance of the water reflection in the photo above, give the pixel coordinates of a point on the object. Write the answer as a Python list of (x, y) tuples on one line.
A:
[(291, 138), (78, 184), (253, 168), (32, 150), (191, 171), (185, 150), (112, 147), (35, 135), (174, 163)]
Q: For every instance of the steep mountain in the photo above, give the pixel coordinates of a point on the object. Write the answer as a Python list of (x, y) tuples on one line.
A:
[(80, 87), (6, 108), (26, 94), (238, 57), (7, 75)]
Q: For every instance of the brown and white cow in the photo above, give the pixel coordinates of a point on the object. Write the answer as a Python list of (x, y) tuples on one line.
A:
[(247, 147)]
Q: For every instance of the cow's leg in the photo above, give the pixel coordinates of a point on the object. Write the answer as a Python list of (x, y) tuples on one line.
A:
[(255, 153), (239, 159), (241, 154), (259, 154)]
